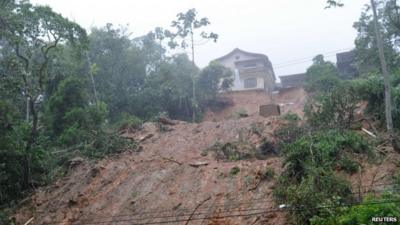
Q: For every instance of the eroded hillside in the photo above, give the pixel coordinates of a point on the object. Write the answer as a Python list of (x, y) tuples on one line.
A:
[(214, 172)]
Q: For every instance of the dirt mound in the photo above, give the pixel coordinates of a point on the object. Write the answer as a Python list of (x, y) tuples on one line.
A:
[(290, 100), (166, 180)]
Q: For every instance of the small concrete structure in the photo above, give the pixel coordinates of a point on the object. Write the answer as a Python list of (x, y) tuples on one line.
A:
[(270, 110)]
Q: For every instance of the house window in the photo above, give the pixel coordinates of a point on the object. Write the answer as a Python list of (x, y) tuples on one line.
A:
[(237, 57), (250, 83)]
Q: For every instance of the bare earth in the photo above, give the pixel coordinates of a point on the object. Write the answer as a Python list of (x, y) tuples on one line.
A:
[(172, 178)]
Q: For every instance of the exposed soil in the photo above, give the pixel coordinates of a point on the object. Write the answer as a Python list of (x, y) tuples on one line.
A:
[(171, 174), (176, 175), (289, 100)]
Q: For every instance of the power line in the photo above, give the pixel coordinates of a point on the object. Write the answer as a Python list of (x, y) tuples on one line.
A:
[(261, 211), (311, 57), (230, 210)]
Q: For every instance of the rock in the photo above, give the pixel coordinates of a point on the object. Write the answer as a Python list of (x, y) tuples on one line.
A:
[(147, 136), (198, 164)]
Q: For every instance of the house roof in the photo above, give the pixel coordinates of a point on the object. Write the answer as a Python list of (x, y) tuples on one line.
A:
[(262, 56), (291, 76)]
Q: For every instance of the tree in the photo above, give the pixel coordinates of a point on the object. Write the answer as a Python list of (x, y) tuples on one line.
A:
[(321, 76), (213, 79), (384, 70), (33, 32), (186, 25)]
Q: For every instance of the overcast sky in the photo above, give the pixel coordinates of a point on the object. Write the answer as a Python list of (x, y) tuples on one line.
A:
[(284, 30)]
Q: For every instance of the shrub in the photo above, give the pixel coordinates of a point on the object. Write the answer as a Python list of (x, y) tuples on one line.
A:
[(292, 117), (318, 188), (333, 109), (269, 174), (235, 170), (348, 165), (128, 122), (364, 212), (322, 149)]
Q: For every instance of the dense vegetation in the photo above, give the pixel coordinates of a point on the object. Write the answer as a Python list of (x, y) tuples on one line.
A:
[(64, 91), (318, 153)]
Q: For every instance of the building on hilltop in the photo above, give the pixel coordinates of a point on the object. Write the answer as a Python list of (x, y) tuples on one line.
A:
[(252, 71), (293, 80)]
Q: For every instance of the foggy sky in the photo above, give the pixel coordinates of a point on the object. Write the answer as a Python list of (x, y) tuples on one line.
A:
[(284, 30)]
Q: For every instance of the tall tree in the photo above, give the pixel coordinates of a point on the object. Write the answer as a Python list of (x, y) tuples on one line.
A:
[(384, 69), (33, 32), (186, 26)]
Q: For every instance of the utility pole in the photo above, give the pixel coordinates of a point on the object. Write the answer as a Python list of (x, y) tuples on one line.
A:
[(194, 103), (385, 73)]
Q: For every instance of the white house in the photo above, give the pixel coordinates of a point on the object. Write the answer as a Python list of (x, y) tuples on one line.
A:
[(253, 71)]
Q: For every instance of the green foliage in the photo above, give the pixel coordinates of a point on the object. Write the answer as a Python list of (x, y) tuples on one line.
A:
[(235, 170), (128, 122), (291, 117), (363, 213), (290, 131), (318, 188), (213, 79), (333, 109), (269, 174), (322, 76), (348, 165), (366, 45), (309, 178), (323, 149)]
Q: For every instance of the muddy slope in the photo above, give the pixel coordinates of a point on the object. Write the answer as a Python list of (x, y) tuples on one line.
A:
[(171, 175)]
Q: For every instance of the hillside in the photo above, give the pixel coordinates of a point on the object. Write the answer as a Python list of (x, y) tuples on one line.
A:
[(289, 100), (181, 171)]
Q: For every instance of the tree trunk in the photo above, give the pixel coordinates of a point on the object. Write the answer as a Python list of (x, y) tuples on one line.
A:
[(26, 171), (385, 73)]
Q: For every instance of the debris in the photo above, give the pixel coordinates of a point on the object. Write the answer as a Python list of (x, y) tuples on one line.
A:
[(171, 160), (75, 161), (166, 121), (29, 221), (195, 209), (282, 206), (198, 164), (143, 138), (368, 132), (177, 206)]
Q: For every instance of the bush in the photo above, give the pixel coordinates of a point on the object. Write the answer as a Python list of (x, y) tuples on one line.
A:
[(333, 109), (289, 132), (363, 213), (235, 170), (269, 174), (128, 122), (323, 149), (318, 188), (292, 117)]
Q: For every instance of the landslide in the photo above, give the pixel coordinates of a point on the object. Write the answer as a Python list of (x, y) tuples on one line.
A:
[(176, 168)]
